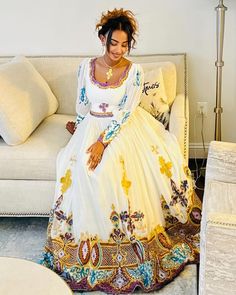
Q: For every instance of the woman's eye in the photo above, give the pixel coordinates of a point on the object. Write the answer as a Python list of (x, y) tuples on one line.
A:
[(115, 44)]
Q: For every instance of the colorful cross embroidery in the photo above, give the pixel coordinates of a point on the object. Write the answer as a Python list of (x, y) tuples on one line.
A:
[(125, 182), (179, 194), (66, 181), (103, 106), (154, 149), (165, 167)]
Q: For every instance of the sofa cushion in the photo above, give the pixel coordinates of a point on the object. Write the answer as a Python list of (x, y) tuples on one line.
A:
[(154, 98), (36, 157), (168, 70), (25, 100)]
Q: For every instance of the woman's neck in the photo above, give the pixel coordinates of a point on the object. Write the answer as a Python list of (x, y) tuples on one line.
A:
[(109, 62)]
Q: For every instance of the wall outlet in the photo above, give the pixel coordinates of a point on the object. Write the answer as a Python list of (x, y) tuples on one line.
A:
[(202, 108)]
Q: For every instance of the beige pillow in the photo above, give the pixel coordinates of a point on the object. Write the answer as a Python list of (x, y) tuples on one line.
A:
[(154, 98), (25, 100), (168, 70)]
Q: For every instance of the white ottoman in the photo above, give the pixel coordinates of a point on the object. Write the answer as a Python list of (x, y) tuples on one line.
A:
[(24, 277)]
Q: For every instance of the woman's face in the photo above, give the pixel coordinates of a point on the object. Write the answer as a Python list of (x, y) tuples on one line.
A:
[(118, 46)]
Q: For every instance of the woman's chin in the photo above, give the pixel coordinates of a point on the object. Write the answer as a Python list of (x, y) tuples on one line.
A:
[(116, 57)]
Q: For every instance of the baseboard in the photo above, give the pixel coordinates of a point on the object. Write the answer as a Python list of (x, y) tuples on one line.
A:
[(196, 150)]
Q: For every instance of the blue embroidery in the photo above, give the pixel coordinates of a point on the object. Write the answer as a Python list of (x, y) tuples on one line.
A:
[(126, 116), (83, 98), (123, 101), (143, 272), (47, 260), (79, 70), (112, 130), (79, 119), (178, 255), (114, 127), (138, 78), (76, 273)]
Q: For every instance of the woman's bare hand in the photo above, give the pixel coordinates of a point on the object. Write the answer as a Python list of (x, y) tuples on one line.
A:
[(70, 126), (96, 151)]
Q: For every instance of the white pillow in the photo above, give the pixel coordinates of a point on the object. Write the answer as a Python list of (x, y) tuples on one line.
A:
[(25, 100), (153, 98), (168, 70)]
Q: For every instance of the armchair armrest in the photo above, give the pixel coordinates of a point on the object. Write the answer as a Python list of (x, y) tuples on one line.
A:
[(218, 226), (221, 162), (179, 123)]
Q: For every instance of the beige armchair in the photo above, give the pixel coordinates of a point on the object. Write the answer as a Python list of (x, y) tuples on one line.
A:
[(218, 228)]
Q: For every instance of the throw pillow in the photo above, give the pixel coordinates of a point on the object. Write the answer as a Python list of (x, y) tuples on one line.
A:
[(153, 98), (25, 100)]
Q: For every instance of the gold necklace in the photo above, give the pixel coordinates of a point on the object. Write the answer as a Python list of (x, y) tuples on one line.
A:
[(109, 73)]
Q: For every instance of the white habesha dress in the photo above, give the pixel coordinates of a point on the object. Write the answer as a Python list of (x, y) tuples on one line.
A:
[(134, 221)]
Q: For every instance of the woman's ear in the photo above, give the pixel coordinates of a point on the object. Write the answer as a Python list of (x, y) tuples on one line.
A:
[(103, 39)]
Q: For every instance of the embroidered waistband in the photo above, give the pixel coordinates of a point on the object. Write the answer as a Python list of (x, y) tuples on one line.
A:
[(101, 115)]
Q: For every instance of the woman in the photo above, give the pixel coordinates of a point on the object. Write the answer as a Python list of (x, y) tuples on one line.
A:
[(125, 214)]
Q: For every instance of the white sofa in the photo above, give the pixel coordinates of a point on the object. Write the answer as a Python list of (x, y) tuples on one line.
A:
[(218, 226), (28, 170)]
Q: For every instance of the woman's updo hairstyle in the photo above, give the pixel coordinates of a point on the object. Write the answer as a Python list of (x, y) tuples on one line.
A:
[(118, 19)]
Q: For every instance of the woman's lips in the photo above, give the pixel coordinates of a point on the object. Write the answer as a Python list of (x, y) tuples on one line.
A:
[(117, 56)]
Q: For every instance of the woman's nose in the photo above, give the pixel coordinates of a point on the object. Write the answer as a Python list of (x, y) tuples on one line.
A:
[(119, 49)]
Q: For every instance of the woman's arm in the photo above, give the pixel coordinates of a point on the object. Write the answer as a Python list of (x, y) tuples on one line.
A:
[(82, 101), (127, 105)]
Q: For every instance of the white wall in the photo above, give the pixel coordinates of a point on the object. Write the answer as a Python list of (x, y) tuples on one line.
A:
[(54, 27)]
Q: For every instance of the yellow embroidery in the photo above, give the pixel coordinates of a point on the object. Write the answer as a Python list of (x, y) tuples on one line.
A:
[(187, 171), (155, 149), (125, 182), (66, 181), (165, 167)]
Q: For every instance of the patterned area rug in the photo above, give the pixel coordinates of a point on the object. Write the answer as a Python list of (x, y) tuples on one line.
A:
[(24, 237)]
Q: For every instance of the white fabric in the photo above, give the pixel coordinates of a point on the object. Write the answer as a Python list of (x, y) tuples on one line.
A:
[(25, 100), (134, 144), (36, 157)]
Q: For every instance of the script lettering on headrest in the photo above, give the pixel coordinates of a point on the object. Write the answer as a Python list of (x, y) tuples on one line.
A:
[(147, 87)]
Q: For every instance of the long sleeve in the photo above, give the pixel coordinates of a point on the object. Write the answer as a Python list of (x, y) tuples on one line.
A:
[(127, 105), (82, 102)]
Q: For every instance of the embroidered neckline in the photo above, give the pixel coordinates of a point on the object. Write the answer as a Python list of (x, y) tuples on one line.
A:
[(121, 80)]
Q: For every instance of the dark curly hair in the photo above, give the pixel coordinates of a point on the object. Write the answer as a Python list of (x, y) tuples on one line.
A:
[(118, 19)]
